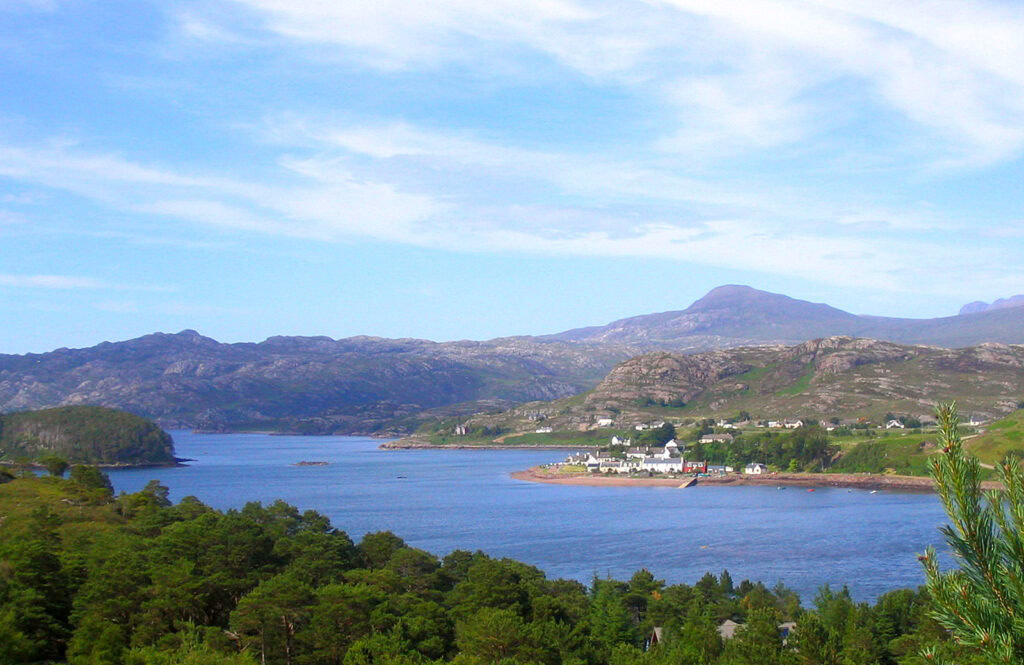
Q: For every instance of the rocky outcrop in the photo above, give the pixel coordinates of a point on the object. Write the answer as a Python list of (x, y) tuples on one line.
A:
[(835, 377)]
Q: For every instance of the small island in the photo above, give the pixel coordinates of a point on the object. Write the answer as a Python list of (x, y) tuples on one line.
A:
[(310, 463), (92, 435)]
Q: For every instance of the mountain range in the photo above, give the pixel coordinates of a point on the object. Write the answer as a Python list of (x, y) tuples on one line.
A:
[(305, 384), (731, 316), (387, 386)]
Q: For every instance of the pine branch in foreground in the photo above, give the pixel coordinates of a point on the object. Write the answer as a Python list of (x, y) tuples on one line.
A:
[(981, 602)]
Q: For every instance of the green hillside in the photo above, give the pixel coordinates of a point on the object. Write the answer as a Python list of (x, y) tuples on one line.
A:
[(84, 435), (999, 439)]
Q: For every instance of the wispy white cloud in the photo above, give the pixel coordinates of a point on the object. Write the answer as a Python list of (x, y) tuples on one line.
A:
[(69, 283), (50, 281), (552, 204), (332, 206), (741, 74), (8, 217)]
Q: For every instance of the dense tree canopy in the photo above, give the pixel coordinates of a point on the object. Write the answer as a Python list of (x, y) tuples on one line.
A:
[(83, 435), (90, 578)]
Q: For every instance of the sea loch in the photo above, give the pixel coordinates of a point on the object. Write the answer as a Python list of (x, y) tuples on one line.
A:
[(441, 500)]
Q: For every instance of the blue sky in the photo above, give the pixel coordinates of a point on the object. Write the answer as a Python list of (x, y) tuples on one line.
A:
[(464, 169)]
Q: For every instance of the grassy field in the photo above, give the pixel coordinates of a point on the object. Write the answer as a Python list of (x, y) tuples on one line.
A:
[(999, 439)]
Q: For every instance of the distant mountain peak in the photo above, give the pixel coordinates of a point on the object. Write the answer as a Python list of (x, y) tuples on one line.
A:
[(729, 294), (739, 295), (979, 306)]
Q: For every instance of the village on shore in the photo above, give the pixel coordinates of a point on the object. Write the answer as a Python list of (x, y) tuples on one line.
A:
[(621, 457)]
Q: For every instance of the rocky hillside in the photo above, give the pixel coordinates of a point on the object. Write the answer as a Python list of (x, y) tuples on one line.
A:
[(731, 316), (85, 435), (309, 384), (836, 377)]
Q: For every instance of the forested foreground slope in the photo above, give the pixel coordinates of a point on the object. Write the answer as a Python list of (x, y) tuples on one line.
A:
[(89, 578)]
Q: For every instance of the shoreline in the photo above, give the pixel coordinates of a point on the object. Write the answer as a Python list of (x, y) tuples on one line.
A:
[(806, 480), (403, 444), (178, 462)]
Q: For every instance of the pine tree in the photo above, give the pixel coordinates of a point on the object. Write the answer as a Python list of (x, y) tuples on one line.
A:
[(982, 602)]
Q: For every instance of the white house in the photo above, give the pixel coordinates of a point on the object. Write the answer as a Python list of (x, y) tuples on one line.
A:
[(630, 464), (619, 441), (638, 453), (894, 424), (671, 450), (728, 629), (793, 424), (612, 466), (605, 422), (662, 465), (578, 458), (599, 461), (756, 469), (641, 427), (774, 423), (712, 438), (544, 430)]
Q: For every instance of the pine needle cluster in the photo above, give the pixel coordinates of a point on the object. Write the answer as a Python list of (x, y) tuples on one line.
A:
[(981, 602)]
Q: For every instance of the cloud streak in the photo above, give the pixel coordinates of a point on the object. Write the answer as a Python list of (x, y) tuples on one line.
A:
[(69, 283), (740, 74), (621, 210)]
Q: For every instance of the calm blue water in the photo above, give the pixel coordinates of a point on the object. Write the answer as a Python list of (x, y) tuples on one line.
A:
[(464, 499)]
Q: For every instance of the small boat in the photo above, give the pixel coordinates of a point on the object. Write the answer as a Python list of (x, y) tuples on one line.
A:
[(780, 487), (401, 477), (874, 491), (811, 489)]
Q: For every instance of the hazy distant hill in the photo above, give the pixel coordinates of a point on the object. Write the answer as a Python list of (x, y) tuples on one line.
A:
[(313, 384), (731, 316), (837, 377), (1003, 303)]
